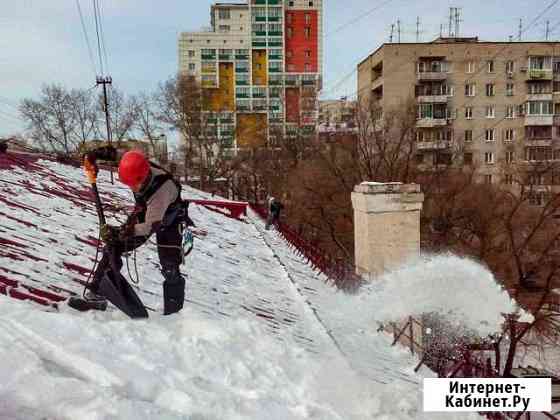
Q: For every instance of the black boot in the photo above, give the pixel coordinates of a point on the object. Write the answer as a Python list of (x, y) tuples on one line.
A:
[(173, 291)]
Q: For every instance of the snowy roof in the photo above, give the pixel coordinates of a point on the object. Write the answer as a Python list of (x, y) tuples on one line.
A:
[(261, 335)]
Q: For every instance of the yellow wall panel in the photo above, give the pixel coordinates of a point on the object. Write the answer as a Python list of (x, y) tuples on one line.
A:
[(251, 130), (260, 69)]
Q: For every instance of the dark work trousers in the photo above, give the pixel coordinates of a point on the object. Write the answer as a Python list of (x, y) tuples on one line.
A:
[(170, 258)]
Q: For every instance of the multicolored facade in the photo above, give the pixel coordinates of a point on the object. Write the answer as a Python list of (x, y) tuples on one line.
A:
[(262, 63)]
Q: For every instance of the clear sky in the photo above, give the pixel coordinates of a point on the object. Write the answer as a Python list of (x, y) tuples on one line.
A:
[(42, 41)]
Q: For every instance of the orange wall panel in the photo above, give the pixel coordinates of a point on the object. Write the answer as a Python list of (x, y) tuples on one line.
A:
[(302, 50), (223, 98)]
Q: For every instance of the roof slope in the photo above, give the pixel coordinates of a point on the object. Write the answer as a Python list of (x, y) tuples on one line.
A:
[(261, 333)]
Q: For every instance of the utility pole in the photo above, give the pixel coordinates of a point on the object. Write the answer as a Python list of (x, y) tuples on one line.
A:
[(418, 29), (399, 29), (441, 30), (106, 81), (392, 32), (457, 21), (520, 31), (450, 32)]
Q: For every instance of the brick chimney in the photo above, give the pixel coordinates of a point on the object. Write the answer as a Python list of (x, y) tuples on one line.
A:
[(386, 225)]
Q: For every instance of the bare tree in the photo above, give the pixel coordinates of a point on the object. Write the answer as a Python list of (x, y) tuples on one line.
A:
[(121, 112), (51, 119), (86, 114)]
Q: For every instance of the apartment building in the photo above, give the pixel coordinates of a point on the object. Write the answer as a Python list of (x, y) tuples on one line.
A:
[(261, 62), (492, 103), (337, 114)]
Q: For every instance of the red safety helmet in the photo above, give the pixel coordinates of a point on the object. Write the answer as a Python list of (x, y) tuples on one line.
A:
[(134, 168)]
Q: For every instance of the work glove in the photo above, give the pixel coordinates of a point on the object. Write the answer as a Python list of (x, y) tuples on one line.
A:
[(109, 234)]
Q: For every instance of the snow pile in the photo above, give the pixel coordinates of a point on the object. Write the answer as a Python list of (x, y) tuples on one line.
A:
[(187, 366), (463, 291)]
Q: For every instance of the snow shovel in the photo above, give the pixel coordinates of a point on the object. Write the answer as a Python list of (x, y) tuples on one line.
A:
[(113, 285)]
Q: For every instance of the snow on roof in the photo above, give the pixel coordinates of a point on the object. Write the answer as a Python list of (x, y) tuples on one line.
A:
[(261, 335)]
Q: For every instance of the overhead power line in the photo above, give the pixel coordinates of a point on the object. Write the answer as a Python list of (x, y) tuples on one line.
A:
[(90, 52), (358, 18), (101, 31), (98, 36)]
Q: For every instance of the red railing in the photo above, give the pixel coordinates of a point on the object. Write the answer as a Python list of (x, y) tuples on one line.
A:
[(340, 272)]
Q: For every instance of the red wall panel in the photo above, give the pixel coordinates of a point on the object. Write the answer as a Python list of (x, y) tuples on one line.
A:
[(292, 105), (297, 43)]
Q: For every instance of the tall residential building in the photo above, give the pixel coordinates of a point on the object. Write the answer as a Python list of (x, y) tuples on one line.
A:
[(500, 101), (261, 63)]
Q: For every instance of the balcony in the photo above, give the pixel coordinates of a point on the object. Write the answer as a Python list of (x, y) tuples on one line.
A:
[(259, 33), (431, 76), (241, 57), (542, 142), (539, 96), (431, 122), (242, 70), (274, 70), (432, 99), (377, 82), (539, 120), (433, 145), (539, 74), (225, 57), (208, 56), (275, 43), (259, 44), (259, 18), (275, 82), (277, 33), (274, 18), (274, 57)]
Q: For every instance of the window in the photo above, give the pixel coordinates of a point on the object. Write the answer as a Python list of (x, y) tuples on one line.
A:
[(308, 53), (291, 67), (289, 53), (224, 14), (468, 113), (489, 158), (224, 28), (290, 32), (468, 136), (308, 68), (490, 134), (540, 63), (509, 89), (509, 134), (510, 67), (192, 67), (310, 4), (540, 108), (468, 158), (508, 179), (307, 19), (307, 32), (539, 87), (291, 4), (510, 111), (471, 66), (490, 66), (509, 157), (419, 158), (191, 53), (470, 89), (489, 89), (490, 111), (488, 179)]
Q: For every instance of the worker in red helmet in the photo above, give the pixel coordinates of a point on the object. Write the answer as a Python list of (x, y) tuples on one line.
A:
[(159, 210)]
